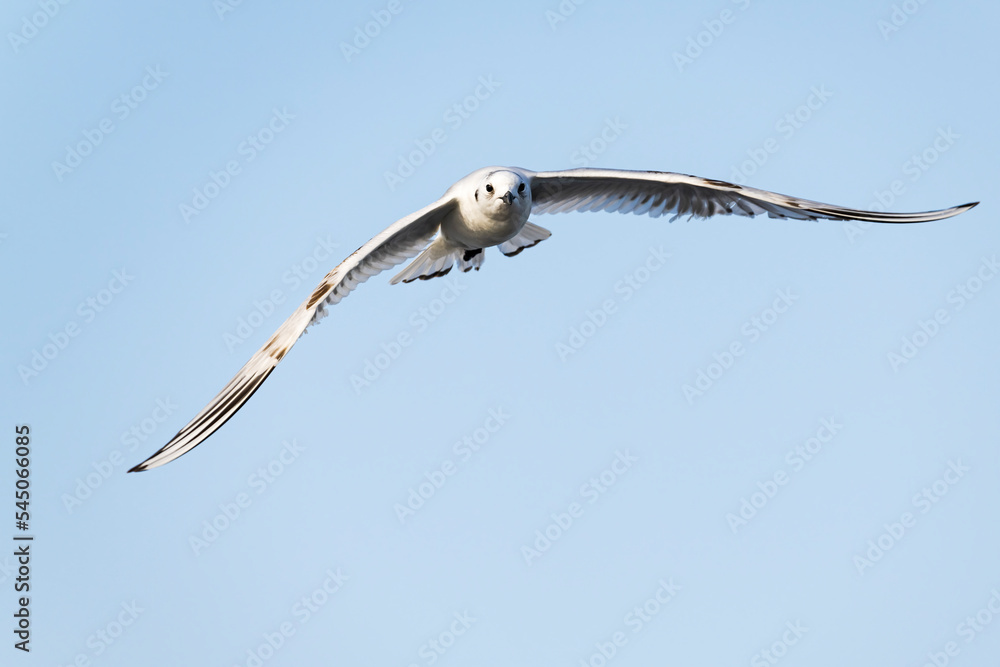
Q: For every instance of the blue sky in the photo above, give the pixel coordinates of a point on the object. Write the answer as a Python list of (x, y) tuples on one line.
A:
[(706, 442)]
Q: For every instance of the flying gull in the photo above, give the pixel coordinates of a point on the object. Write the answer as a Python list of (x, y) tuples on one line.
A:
[(490, 207)]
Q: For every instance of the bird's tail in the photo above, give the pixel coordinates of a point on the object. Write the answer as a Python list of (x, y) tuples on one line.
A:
[(437, 260), (440, 256), (530, 235)]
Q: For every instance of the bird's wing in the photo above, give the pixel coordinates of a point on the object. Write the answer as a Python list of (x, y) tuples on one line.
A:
[(402, 240), (657, 193)]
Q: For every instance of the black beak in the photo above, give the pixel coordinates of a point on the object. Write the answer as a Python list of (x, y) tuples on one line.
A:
[(508, 198)]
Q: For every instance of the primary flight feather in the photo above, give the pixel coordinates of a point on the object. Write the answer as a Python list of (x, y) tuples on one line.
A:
[(490, 207)]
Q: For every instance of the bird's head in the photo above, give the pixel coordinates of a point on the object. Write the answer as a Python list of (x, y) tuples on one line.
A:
[(501, 192)]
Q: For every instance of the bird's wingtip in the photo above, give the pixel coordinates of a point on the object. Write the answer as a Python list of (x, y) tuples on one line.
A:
[(142, 467)]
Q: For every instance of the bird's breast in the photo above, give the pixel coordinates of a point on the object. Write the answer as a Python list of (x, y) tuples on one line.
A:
[(472, 228)]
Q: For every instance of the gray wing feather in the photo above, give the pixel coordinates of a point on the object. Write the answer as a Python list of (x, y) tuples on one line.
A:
[(400, 241), (656, 193)]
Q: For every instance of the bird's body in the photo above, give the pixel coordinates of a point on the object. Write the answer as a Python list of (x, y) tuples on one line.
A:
[(490, 207), (474, 225)]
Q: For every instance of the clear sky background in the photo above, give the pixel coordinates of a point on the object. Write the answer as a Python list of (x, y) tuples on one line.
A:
[(125, 312)]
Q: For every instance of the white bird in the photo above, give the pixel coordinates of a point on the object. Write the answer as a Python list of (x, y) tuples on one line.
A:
[(490, 207)]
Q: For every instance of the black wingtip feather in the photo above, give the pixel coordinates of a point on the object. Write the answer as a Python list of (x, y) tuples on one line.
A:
[(239, 399)]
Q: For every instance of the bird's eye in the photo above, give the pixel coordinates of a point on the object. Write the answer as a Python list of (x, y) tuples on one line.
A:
[(520, 188), (489, 188)]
